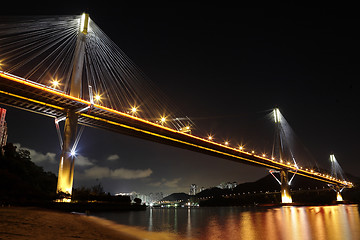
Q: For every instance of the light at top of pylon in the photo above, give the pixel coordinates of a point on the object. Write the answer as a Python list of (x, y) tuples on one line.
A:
[(84, 23), (133, 109), (277, 115), (163, 119), (332, 158)]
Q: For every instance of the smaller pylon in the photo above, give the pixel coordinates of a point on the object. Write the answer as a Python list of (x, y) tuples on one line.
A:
[(285, 185), (339, 197), (285, 188)]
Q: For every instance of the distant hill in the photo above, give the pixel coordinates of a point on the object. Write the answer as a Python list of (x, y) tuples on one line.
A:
[(177, 197), (269, 183), (215, 191), (265, 184)]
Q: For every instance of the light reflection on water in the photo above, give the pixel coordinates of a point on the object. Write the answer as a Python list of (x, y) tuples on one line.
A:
[(321, 222)]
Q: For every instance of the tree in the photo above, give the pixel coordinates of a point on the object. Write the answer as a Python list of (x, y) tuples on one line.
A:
[(97, 190), (137, 201), (22, 180)]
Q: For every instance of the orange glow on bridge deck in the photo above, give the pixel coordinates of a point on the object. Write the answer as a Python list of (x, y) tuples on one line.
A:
[(267, 162)]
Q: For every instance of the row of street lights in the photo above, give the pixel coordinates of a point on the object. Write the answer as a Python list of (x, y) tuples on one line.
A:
[(162, 120)]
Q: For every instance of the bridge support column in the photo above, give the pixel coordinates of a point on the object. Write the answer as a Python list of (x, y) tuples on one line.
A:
[(66, 166), (339, 197), (285, 189)]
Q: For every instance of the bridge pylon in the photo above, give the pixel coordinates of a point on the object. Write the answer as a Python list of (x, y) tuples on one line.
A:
[(67, 160), (339, 197), (285, 187)]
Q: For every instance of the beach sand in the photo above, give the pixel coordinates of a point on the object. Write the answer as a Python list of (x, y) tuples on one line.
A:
[(35, 223)]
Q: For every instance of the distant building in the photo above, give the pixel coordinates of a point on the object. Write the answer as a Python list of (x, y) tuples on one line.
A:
[(193, 189), (145, 199), (231, 185), (228, 185), (3, 128), (221, 185), (155, 197)]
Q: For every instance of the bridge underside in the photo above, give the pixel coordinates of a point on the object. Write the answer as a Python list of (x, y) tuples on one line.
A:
[(27, 95)]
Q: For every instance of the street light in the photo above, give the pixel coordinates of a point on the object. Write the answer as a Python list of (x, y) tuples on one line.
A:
[(97, 97), (73, 153), (163, 120), (55, 83)]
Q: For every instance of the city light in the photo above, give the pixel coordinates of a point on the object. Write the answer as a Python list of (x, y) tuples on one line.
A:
[(210, 137), (226, 143)]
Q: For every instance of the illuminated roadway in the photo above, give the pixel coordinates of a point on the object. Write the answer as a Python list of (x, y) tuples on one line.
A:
[(27, 95)]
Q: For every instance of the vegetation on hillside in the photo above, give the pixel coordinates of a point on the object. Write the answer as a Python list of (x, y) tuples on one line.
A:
[(22, 180)]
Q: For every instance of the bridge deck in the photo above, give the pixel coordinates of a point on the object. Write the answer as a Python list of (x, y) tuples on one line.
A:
[(25, 94)]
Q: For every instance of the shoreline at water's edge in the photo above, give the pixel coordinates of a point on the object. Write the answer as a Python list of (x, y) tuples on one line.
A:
[(38, 223), (80, 207)]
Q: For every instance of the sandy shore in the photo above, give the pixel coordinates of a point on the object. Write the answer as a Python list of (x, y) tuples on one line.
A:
[(35, 223)]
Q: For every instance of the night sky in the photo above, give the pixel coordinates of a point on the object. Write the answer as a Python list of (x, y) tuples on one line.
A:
[(225, 68)]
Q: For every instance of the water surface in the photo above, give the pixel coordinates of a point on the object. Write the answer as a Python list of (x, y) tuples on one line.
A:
[(320, 222)]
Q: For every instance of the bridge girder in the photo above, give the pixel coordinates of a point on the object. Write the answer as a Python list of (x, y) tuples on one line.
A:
[(21, 93)]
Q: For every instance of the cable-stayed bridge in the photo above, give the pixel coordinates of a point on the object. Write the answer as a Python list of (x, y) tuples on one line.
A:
[(68, 69)]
